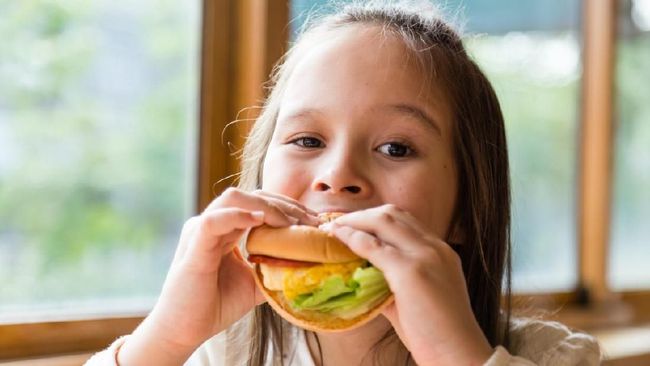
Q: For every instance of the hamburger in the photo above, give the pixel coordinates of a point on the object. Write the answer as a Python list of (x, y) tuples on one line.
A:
[(313, 280)]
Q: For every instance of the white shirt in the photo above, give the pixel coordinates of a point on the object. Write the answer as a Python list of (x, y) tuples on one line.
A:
[(533, 342)]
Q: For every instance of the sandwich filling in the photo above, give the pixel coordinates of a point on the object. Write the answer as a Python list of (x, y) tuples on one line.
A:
[(345, 290)]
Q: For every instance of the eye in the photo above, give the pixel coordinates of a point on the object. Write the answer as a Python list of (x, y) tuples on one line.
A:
[(396, 150), (307, 142)]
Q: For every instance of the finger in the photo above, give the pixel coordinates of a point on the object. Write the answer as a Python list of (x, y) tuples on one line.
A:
[(394, 212), (390, 312), (213, 225), (187, 232), (390, 227), (230, 240), (287, 199), (292, 208), (238, 254), (259, 298), (273, 215), (238, 280), (367, 246)]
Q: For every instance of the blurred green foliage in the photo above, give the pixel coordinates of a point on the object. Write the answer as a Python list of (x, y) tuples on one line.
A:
[(97, 114)]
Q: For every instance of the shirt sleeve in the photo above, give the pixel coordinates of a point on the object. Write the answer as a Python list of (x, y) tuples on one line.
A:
[(211, 353), (502, 357), (546, 343), (107, 357)]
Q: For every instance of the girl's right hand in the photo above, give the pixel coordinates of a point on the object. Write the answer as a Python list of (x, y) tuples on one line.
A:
[(208, 286)]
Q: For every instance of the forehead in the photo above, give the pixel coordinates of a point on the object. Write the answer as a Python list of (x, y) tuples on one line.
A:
[(360, 67)]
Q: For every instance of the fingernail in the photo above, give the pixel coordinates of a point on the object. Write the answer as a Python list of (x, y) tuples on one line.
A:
[(258, 215)]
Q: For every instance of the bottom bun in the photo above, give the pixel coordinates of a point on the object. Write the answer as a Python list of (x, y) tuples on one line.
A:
[(314, 320)]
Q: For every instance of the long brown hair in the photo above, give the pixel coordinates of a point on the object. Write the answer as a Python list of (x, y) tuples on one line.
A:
[(482, 213)]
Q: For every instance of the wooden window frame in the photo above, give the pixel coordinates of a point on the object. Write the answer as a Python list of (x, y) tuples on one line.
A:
[(241, 41)]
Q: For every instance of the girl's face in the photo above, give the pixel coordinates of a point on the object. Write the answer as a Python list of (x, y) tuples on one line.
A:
[(358, 127)]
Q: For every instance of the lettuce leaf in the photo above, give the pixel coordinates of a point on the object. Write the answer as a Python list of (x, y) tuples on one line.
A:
[(364, 290)]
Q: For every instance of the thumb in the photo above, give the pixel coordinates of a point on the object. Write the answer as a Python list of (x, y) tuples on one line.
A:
[(390, 313), (232, 239), (257, 296)]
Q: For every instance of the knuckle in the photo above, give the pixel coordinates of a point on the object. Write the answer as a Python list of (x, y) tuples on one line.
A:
[(425, 264), (430, 239), (358, 238), (455, 258), (431, 255), (230, 193), (205, 223), (272, 206), (391, 251), (297, 211), (392, 208), (386, 217), (191, 221), (229, 190), (368, 241), (421, 268), (190, 224), (374, 242)]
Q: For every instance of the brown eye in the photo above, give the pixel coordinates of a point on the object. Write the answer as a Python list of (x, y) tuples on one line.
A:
[(396, 150), (308, 142)]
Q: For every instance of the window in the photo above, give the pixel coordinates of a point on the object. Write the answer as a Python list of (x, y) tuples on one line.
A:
[(630, 247), (91, 91), (98, 120)]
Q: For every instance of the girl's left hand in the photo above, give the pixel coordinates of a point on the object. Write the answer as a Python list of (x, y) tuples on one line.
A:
[(431, 314)]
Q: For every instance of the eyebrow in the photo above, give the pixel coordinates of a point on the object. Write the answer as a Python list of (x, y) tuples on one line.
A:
[(407, 109), (305, 113), (418, 114)]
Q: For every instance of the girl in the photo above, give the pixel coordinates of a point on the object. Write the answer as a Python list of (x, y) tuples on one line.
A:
[(377, 111)]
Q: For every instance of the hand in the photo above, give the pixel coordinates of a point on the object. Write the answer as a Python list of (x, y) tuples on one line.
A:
[(432, 313), (209, 286)]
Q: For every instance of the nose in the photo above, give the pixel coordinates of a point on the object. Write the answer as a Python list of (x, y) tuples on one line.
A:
[(342, 173)]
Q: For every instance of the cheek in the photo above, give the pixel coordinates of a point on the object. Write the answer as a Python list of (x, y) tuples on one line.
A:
[(420, 201), (282, 176), (431, 201)]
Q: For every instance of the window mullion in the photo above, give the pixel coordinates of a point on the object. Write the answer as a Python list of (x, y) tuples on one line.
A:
[(596, 140)]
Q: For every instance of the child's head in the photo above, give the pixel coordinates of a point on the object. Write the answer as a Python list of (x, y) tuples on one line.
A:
[(378, 105), (357, 128)]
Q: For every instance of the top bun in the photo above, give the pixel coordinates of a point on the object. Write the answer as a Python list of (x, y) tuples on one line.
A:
[(300, 242)]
